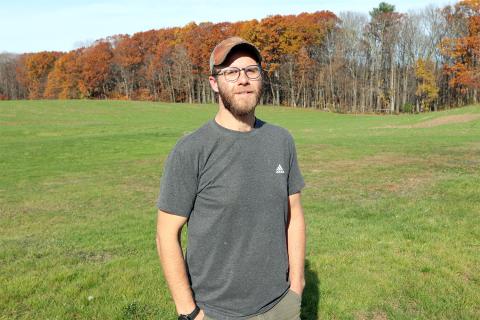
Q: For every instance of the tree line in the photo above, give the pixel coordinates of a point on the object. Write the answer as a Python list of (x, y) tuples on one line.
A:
[(386, 61)]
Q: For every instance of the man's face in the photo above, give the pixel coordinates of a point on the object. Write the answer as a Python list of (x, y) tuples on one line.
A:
[(242, 96)]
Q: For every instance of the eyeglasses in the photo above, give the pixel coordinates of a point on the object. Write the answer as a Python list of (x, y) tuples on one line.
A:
[(232, 74)]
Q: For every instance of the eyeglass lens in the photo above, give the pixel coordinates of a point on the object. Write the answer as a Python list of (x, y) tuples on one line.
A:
[(232, 74)]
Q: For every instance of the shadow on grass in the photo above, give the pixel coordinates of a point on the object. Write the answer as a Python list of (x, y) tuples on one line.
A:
[(311, 294)]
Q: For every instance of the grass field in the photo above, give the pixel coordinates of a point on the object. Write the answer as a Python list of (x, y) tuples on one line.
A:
[(392, 205)]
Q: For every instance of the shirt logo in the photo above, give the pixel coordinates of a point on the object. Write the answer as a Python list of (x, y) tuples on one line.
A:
[(279, 169)]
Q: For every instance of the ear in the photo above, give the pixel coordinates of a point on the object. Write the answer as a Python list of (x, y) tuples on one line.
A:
[(213, 83)]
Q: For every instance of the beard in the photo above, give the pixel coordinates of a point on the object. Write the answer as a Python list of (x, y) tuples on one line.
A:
[(237, 105)]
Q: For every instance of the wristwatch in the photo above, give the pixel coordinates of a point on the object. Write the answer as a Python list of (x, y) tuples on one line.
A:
[(190, 316)]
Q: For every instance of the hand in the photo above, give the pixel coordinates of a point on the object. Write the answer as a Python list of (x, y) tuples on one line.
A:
[(200, 315), (299, 292), (297, 287)]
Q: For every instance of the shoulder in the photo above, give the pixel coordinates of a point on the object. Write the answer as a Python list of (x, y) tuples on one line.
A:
[(277, 132), (192, 142)]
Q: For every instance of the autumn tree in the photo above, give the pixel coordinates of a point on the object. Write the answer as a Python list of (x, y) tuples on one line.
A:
[(427, 90), (127, 60), (463, 51), (63, 80), (198, 41), (95, 62), (158, 66), (280, 39), (33, 72), (383, 62)]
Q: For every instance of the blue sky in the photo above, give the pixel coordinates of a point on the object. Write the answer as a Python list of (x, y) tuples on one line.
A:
[(31, 26)]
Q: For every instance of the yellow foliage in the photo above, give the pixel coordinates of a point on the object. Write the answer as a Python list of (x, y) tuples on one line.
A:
[(427, 90)]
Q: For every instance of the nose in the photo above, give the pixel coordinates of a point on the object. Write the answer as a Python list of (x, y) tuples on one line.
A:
[(243, 79)]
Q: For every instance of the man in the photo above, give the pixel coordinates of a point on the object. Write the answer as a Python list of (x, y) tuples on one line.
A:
[(236, 183)]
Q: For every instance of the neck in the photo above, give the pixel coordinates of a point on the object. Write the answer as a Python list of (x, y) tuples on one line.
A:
[(233, 122)]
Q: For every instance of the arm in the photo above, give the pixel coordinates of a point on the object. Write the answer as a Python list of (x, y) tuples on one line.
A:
[(296, 243), (169, 250)]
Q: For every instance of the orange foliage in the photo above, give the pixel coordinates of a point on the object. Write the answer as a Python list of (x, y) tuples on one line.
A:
[(127, 52), (199, 40), (95, 70), (34, 71), (167, 63), (278, 35), (63, 79), (464, 51)]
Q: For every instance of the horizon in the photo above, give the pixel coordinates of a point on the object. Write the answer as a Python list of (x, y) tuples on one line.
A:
[(108, 18)]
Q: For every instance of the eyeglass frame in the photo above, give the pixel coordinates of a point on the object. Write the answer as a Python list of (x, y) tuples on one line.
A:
[(240, 72)]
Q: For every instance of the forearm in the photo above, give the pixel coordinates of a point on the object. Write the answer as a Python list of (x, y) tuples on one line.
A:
[(296, 250), (173, 264)]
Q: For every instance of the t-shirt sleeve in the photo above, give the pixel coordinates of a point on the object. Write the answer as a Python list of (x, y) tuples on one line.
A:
[(295, 178), (178, 185)]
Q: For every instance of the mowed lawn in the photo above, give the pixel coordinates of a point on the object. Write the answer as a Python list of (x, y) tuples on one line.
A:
[(392, 205)]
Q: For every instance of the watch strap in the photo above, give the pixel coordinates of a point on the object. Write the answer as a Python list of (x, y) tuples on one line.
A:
[(190, 316)]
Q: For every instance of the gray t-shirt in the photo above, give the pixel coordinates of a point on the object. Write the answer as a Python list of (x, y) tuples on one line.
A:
[(233, 187)]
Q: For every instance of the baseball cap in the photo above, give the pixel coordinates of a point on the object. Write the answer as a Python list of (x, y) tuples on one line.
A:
[(221, 51)]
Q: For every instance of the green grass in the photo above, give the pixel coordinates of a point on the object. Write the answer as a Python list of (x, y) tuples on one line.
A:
[(392, 213)]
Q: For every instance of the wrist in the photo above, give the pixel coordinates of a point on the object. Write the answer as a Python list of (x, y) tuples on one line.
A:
[(297, 284), (190, 315), (186, 308)]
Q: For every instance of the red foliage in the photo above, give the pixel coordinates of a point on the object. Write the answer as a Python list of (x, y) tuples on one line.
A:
[(464, 51)]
